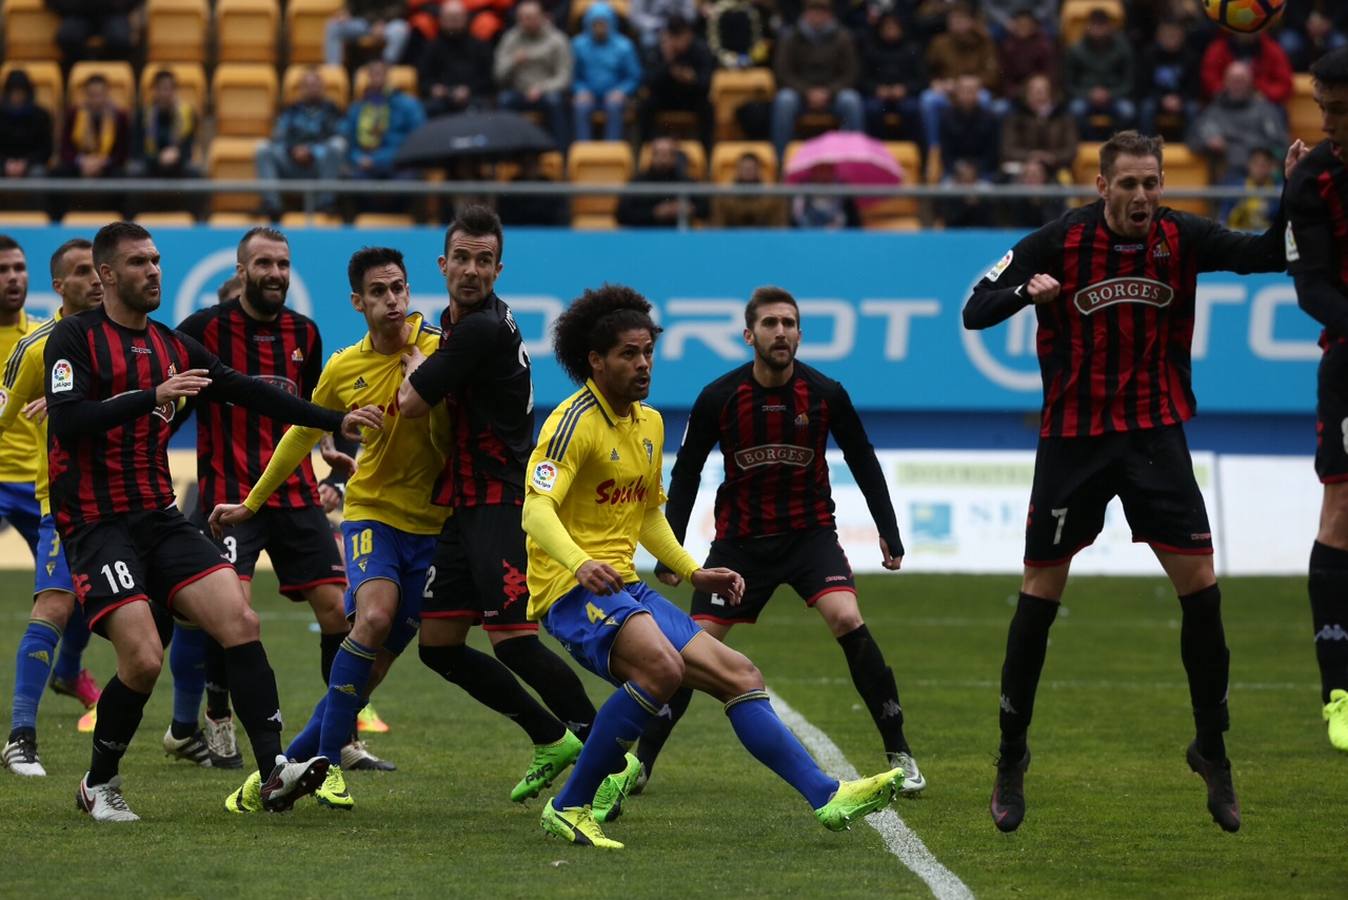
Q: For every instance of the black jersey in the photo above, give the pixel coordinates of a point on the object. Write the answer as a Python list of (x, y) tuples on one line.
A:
[(1317, 239)]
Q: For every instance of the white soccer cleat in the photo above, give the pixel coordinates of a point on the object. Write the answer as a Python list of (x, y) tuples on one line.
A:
[(290, 781), (356, 757), (224, 747), (913, 782), (104, 802), (20, 757)]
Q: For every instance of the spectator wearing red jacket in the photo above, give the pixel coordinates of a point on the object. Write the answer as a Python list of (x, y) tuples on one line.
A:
[(1272, 70)]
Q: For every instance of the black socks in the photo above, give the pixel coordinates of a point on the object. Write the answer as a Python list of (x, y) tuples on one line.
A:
[(1207, 663), (1026, 645), (490, 683), (875, 683)]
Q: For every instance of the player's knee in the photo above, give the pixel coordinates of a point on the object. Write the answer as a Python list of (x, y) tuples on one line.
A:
[(845, 621), (663, 675), (53, 607), (742, 676), (246, 627), (139, 668), (372, 626)]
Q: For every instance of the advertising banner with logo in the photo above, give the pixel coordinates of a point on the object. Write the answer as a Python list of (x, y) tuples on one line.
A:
[(881, 312)]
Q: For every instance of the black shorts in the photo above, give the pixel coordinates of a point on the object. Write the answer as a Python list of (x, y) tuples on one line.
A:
[(1331, 415), (478, 571), (812, 562), (299, 542), (1149, 470), (148, 555)]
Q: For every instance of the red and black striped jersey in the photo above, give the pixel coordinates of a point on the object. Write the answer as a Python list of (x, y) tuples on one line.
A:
[(1317, 239), (773, 440), (234, 443), (482, 372), (1114, 346), (107, 436)]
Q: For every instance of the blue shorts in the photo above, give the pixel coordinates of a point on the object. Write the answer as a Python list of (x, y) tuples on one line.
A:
[(52, 572), (375, 550), (586, 624), (18, 507)]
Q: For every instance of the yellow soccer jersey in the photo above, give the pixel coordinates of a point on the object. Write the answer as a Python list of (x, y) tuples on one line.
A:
[(398, 466), (19, 443), (603, 473)]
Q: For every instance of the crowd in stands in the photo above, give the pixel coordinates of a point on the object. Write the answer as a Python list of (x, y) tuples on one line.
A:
[(991, 91)]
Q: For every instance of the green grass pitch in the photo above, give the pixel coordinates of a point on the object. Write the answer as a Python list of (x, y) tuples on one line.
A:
[(1113, 810)]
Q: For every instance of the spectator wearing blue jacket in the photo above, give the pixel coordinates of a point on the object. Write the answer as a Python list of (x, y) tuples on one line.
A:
[(376, 126), (607, 70), (306, 142)]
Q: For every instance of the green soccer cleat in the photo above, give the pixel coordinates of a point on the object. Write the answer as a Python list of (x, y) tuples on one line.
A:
[(333, 793), (550, 760), (1336, 714), (613, 790), (577, 825), (247, 799), (855, 799)]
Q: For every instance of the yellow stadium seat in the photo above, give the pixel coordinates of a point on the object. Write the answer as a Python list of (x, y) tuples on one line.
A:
[(306, 220), (233, 158), (166, 220), (11, 218), (725, 155), (1074, 14), (245, 99), (336, 87), (234, 220), (191, 78), (121, 81), (246, 30), (622, 8), (896, 213), (90, 218), (30, 30), (383, 220), (693, 154), (176, 30), (1183, 170), (305, 22), (732, 88), (1087, 164), (598, 162), (48, 88), (1303, 114), (404, 78)]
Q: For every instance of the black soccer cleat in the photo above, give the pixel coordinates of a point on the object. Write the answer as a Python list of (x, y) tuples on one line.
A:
[(1008, 793), (1216, 774)]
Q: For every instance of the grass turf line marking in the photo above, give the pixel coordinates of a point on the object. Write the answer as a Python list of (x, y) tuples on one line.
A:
[(901, 840)]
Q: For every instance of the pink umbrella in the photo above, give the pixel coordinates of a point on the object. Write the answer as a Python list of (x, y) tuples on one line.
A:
[(853, 158)]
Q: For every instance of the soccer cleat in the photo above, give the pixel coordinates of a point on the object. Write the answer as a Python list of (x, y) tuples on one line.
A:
[(913, 782), (87, 722), (1008, 793), (333, 793), (614, 789), (247, 799), (855, 799), (1336, 714), (290, 781), (642, 780), (104, 802), (368, 720), (356, 757), (224, 748), (191, 749), (577, 825), (20, 756), (83, 688), (1216, 774), (550, 760)]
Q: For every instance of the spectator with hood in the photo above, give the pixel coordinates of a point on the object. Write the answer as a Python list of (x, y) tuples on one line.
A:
[(667, 166), (25, 129), (893, 77), (607, 73)]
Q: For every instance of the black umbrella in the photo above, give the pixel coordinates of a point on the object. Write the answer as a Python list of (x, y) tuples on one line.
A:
[(478, 134)]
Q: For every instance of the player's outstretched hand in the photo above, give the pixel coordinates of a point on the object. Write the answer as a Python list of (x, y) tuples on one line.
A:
[(35, 410), (336, 459), (1295, 154), (720, 581), (227, 515), (184, 384), (1042, 288), (889, 561), (365, 417), (599, 578)]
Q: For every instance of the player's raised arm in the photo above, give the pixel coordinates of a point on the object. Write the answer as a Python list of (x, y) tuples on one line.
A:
[(861, 459), (1223, 250), (1020, 278)]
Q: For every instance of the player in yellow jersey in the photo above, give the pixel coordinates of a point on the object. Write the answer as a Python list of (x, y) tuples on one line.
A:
[(593, 492), (55, 616)]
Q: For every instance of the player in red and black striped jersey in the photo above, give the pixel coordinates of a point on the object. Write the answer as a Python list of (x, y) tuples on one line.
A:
[(772, 418), (257, 335), (115, 382), (482, 371), (1113, 287), (1317, 257)]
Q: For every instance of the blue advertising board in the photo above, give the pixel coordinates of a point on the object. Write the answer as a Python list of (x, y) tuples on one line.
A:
[(880, 312)]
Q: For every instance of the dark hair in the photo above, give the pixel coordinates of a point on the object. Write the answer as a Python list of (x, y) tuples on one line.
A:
[(476, 220), (367, 258), (1331, 70), (18, 80), (58, 258), (762, 297), (1129, 143), (163, 75), (266, 231), (593, 322), (228, 288), (111, 236), (8, 243)]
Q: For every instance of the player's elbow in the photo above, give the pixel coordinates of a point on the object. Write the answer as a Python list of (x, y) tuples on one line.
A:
[(970, 315), (534, 515)]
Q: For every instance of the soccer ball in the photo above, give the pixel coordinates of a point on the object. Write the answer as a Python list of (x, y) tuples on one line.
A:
[(1246, 16)]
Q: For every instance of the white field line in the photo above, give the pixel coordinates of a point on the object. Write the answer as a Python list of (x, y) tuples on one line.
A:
[(898, 837)]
